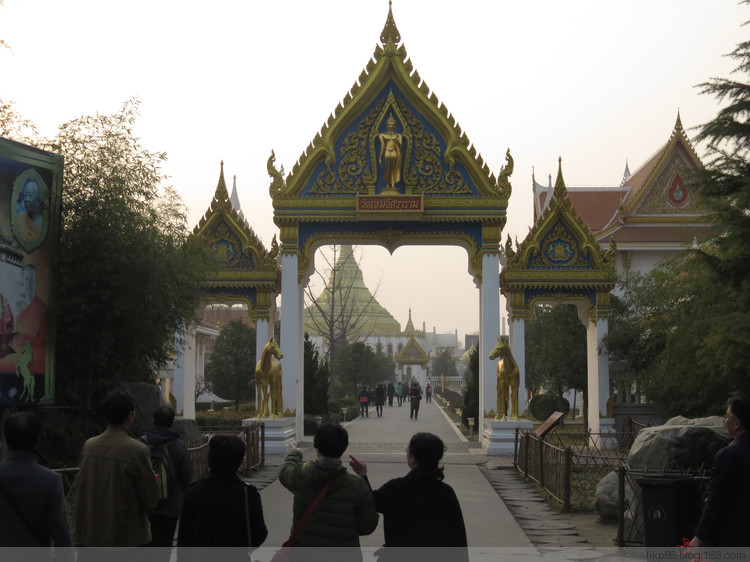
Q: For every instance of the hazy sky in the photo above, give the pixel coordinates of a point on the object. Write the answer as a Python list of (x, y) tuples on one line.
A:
[(596, 82)]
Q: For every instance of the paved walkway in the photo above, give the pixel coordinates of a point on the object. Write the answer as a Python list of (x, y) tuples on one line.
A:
[(504, 517)]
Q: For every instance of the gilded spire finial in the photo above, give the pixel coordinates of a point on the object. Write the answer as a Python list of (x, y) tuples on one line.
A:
[(390, 35), (560, 190), (221, 193)]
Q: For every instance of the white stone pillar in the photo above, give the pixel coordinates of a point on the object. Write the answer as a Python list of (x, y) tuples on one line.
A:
[(594, 333), (489, 331), (518, 348), (291, 339), (190, 358)]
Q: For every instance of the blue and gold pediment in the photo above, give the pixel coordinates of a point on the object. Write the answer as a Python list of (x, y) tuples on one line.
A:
[(559, 260), (241, 269), (559, 248), (392, 136)]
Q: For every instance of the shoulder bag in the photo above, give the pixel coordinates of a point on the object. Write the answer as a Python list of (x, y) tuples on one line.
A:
[(283, 554)]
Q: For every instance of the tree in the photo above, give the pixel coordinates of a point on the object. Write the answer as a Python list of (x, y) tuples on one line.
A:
[(724, 185), (231, 368), (341, 313), (317, 379), (128, 270), (357, 365), (556, 350), (661, 330), (444, 364)]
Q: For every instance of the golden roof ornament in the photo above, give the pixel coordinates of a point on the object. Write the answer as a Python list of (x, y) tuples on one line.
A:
[(390, 36), (561, 191)]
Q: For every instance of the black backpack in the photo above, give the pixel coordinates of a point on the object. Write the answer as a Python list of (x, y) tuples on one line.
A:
[(161, 463)]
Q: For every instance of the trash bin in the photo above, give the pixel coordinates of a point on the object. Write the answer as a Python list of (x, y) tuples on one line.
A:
[(671, 509)]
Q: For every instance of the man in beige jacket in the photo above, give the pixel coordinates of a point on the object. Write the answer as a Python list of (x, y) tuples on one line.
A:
[(116, 485)]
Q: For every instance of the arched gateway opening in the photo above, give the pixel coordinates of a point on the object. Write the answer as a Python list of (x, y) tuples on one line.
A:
[(390, 167)]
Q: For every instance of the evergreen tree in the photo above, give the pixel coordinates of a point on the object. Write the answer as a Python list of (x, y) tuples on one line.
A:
[(725, 186), (317, 379), (444, 364), (231, 368)]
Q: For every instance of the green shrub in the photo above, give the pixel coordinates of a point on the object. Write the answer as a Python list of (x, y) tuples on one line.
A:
[(543, 405)]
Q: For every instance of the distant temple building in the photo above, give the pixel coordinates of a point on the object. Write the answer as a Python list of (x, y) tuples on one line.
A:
[(651, 215), (368, 321)]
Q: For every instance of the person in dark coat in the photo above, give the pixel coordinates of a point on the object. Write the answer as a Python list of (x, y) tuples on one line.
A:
[(164, 520), (379, 399), (217, 508), (419, 509), (390, 391), (726, 516), (415, 397), (32, 503)]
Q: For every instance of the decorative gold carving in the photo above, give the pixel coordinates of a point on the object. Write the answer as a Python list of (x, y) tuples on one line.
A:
[(390, 36), (503, 178), (277, 182), (390, 238)]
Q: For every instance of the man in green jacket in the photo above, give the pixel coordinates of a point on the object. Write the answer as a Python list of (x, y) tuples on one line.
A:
[(347, 510)]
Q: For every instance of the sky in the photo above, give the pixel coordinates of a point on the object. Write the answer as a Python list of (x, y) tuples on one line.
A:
[(595, 82)]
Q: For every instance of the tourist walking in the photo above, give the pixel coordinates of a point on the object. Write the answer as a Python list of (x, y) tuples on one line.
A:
[(364, 402), (379, 399), (399, 393), (116, 486), (428, 393), (415, 397), (221, 510), (726, 515), (178, 469), (346, 510), (32, 503), (419, 509), (390, 391)]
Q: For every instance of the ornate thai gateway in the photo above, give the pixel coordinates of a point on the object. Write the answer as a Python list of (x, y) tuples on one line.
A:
[(390, 166)]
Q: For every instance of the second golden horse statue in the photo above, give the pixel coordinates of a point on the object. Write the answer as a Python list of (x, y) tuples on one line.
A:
[(268, 381), (508, 379)]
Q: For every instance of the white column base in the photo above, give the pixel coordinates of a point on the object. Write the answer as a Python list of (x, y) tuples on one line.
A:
[(500, 436), (279, 434)]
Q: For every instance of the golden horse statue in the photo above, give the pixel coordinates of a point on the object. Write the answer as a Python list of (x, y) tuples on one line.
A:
[(508, 379), (268, 381)]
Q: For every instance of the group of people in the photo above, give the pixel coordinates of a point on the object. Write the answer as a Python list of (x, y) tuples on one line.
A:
[(412, 393), (121, 500)]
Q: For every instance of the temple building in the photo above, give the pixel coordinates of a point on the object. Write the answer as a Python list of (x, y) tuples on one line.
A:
[(653, 214)]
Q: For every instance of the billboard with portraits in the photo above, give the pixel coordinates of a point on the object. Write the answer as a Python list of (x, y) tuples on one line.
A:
[(30, 190)]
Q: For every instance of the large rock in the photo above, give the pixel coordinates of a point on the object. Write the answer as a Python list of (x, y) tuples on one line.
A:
[(679, 444)]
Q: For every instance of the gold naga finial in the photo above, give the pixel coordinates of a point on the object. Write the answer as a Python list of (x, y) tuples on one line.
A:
[(390, 36)]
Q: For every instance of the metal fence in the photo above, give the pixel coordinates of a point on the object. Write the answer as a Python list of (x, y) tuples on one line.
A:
[(254, 436), (562, 457)]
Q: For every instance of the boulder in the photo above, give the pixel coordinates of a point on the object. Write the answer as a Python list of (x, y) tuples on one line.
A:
[(679, 444), (606, 504)]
